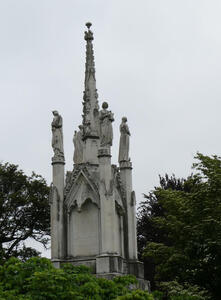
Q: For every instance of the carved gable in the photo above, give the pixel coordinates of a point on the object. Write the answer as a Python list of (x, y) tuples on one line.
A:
[(82, 189)]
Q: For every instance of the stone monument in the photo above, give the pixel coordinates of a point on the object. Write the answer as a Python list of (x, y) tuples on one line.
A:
[(93, 215)]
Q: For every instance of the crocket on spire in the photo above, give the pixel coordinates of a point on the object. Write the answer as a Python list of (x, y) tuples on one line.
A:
[(90, 103)]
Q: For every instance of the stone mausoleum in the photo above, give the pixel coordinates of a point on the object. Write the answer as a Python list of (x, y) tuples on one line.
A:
[(93, 213)]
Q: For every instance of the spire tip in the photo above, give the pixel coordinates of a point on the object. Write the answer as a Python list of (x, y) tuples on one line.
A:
[(88, 24), (88, 35)]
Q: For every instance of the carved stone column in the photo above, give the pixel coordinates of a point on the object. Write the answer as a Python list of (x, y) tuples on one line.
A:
[(126, 177), (107, 203), (58, 238), (108, 262)]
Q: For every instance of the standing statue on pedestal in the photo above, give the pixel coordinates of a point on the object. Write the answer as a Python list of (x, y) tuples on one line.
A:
[(124, 141), (57, 135), (106, 131), (78, 145)]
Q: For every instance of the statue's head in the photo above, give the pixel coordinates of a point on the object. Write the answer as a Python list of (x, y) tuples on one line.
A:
[(124, 119), (55, 112), (104, 105)]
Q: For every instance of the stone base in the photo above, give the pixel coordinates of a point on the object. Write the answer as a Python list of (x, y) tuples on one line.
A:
[(89, 262), (106, 264), (136, 268), (109, 266), (56, 263)]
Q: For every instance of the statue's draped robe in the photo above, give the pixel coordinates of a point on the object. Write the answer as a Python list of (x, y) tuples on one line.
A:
[(106, 130), (124, 142), (57, 136), (78, 147)]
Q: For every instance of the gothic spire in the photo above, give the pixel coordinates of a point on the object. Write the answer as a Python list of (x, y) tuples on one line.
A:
[(90, 103), (90, 65)]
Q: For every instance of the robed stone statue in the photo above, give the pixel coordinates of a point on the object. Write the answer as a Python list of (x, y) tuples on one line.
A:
[(124, 141), (78, 145), (106, 130), (57, 135)]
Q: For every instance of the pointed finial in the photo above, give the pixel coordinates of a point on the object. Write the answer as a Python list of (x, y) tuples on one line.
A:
[(88, 35), (88, 24)]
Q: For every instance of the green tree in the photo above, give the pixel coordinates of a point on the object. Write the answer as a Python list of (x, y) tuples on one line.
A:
[(147, 231), (24, 211), (191, 222), (37, 279)]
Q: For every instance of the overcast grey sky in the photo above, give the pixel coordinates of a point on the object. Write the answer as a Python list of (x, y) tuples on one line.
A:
[(157, 62)]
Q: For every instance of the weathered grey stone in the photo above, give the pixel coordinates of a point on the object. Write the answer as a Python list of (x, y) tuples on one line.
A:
[(57, 135), (106, 129), (58, 239), (78, 146), (91, 150), (90, 104), (124, 141), (93, 217), (109, 264), (126, 178)]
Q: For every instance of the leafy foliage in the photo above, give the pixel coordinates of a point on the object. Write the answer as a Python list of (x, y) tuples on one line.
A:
[(136, 295), (184, 238), (37, 279), (24, 212), (147, 231), (176, 291)]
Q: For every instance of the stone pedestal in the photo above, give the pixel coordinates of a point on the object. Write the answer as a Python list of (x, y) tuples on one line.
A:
[(109, 264), (136, 268), (91, 149), (58, 241)]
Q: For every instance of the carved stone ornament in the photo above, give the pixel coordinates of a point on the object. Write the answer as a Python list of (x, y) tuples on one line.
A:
[(104, 152), (106, 129), (88, 34), (124, 141), (57, 135), (125, 165), (80, 188), (78, 146), (90, 105), (80, 192)]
